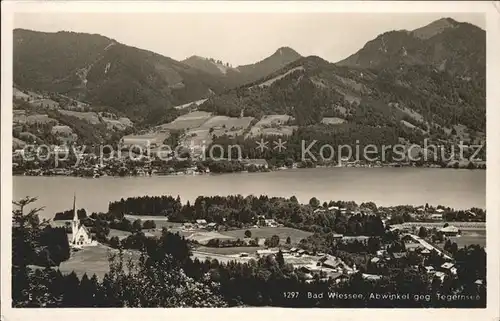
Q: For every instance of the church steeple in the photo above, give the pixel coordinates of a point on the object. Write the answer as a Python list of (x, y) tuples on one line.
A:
[(75, 214)]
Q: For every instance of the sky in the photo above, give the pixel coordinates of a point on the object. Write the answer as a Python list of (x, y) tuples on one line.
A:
[(239, 38)]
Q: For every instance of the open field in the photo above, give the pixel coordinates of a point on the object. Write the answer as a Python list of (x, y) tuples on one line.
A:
[(272, 125), (197, 103), (119, 124), (19, 94), (148, 217), (202, 256), (90, 117), (469, 240), (265, 232), (269, 82), (143, 140), (269, 120), (92, 260), (460, 225), (470, 236), (204, 237), (228, 250), (228, 122), (191, 120), (62, 129), (119, 233), (413, 114), (332, 120), (33, 119), (196, 138), (45, 103), (18, 143)]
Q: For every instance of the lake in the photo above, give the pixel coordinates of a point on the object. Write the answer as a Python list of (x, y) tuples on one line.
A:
[(385, 186)]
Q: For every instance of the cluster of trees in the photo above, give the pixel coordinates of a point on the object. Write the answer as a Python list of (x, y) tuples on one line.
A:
[(68, 215), (34, 241), (231, 243), (238, 211)]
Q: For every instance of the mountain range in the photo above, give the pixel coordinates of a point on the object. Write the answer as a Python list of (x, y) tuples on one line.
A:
[(429, 79)]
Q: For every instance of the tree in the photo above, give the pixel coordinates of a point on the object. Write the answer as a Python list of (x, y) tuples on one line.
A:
[(280, 259), (114, 242), (149, 224), (422, 232), (248, 233), (137, 226), (314, 202), (288, 240), (26, 229), (275, 241), (158, 282), (447, 245)]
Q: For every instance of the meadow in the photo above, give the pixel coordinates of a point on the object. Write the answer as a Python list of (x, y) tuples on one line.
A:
[(267, 232)]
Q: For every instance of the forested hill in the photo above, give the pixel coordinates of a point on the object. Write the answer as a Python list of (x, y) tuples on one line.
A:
[(397, 88), (237, 76), (447, 45), (102, 71)]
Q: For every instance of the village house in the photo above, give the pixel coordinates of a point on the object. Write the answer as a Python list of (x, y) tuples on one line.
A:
[(440, 275), (371, 276), (211, 226), (259, 163), (429, 269), (201, 223), (436, 217), (449, 267), (187, 226), (271, 222), (301, 252), (399, 255), (450, 230), (425, 252)]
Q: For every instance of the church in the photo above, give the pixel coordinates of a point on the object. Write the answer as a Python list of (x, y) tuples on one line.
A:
[(80, 235)]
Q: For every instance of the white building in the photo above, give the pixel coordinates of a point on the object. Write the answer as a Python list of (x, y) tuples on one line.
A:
[(80, 235)]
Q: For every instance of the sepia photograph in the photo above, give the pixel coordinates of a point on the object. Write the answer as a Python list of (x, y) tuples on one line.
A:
[(266, 159)]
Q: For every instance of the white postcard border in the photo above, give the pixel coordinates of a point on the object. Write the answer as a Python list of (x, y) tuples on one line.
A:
[(490, 8)]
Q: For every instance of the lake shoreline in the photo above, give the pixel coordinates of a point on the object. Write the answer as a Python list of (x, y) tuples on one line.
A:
[(256, 172), (461, 189)]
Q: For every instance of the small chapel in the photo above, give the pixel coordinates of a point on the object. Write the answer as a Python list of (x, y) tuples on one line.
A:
[(80, 235)]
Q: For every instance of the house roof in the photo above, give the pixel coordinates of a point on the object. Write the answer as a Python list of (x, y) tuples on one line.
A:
[(399, 255), (440, 274), (201, 221), (447, 265), (449, 229), (375, 260)]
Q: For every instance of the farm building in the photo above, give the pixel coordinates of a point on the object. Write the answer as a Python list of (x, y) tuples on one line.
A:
[(450, 231), (260, 163), (211, 226), (437, 217), (201, 222)]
